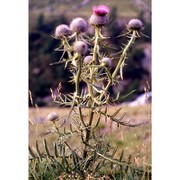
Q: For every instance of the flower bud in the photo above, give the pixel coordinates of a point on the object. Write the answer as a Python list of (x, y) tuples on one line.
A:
[(53, 117), (106, 61), (135, 24), (62, 30), (88, 59), (79, 25), (80, 47)]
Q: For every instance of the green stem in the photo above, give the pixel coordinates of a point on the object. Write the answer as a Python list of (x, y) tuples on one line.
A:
[(124, 53), (92, 69), (77, 36), (77, 82), (88, 132), (90, 89), (97, 36)]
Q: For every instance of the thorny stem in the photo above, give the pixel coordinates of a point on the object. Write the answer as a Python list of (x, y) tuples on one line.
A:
[(77, 82), (124, 53), (88, 132), (120, 63), (92, 70), (90, 89), (77, 78)]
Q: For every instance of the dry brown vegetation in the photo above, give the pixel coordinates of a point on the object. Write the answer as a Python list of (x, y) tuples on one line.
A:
[(134, 141)]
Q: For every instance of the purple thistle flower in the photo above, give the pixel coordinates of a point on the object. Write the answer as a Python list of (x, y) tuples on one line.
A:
[(88, 59), (135, 24), (53, 117), (62, 30), (80, 47), (106, 61), (79, 25), (101, 10)]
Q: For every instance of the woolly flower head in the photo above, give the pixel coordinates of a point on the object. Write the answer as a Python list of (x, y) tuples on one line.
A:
[(99, 18), (79, 25), (62, 30), (53, 117), (80, 47), (101, 10), (106, 61), (88, 59), (135, 24)]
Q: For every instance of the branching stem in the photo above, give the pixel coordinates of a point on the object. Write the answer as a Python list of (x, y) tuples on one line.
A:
[(120, 63)]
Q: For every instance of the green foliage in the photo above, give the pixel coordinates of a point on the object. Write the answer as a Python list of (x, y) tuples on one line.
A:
[(68, 165)]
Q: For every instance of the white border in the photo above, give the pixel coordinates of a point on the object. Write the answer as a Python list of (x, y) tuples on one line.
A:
[(165, 90), (14, 89)]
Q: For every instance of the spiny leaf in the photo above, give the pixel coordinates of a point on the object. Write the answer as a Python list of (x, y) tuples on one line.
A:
[(65, 163), (129, 161), (75, 159), (114, 152), (56, 150), (32, 153), (46, 148), (64, 130), (119, 119), (97, 167), (116, 112), (97, 123), (105, 113), (95, 155), (61, 167), (70, 127), (121, 156), (117, 97), (38, 151), (123, 97), (58, 62)]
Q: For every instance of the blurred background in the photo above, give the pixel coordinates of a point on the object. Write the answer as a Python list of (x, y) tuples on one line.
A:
[(45, 15)]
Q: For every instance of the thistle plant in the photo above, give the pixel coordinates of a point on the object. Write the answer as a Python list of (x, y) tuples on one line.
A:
[(91, 67)]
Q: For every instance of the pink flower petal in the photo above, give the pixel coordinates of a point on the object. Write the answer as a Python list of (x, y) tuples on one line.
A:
[(100, 10)]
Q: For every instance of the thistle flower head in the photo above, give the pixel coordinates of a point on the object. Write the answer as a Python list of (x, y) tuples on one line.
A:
[(53, 117), (106, 61), (98, 18), (101, 10), (135, 24), (88, 59), (80, 47), (62, 30), (79, 25)]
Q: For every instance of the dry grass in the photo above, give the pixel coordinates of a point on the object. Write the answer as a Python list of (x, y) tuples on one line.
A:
[(134, 141)]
